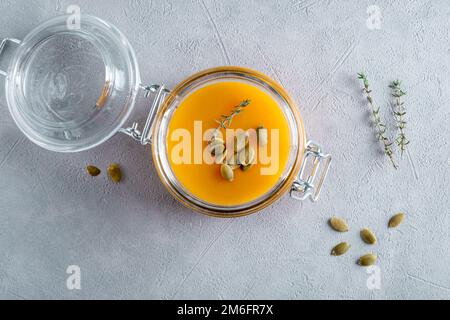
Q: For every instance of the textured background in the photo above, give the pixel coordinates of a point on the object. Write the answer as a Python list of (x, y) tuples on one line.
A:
[(134, 241)]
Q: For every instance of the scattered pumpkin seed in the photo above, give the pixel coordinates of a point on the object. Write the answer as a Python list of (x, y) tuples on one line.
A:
[(340, 249), (93, 171), (338, 224), (227, 172), (232, 162), (397, 220), (263, 136), (368, 236), (246, 156), (367, 260), (216, 147), (246, 168), (115, 173), (218, 140), (220, 158), (241, 141)]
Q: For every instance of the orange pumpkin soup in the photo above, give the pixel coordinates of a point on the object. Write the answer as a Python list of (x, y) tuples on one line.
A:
[(207, 105)]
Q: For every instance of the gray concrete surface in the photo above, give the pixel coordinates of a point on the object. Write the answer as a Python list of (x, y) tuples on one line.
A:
[(134, 241)]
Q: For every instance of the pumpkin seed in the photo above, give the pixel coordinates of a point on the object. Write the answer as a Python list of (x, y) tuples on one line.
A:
[(233, 163), (115, 173), (246, 156), (339, 225), (397, 220), (93, 171), (227, 172), (367, 260), (220, 158), (216, 147), (246, 168), (217, 140), (263, 136), (241, 141), (340, 249), (368, 236)]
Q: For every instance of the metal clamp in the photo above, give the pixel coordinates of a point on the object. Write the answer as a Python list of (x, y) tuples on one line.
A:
[(2, 47), (312, 175), (145, 137)]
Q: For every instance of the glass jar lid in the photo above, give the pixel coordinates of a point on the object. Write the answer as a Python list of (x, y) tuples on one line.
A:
[(71, 89)]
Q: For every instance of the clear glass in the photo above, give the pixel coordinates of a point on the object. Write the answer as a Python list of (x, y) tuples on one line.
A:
[(227, 74), (71, 90)]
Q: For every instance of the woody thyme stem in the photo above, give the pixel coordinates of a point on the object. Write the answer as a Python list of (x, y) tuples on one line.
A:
[(380, 127), (226, 120), (399, 114)]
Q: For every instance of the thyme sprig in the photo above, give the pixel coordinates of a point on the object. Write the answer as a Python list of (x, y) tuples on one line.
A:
[(399, 114), (226, 120), (380, 126)]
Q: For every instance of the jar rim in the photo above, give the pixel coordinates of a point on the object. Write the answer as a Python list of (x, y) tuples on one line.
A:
[(159, 147)]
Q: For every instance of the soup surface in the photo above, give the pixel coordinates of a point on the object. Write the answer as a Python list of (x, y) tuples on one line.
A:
[(205, 106)]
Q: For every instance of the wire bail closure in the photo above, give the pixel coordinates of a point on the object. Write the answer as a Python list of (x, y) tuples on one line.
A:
[(144, 137), (309, 183)]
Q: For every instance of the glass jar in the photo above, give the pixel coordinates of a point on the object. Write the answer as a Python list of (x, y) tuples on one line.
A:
[(72, 89)]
